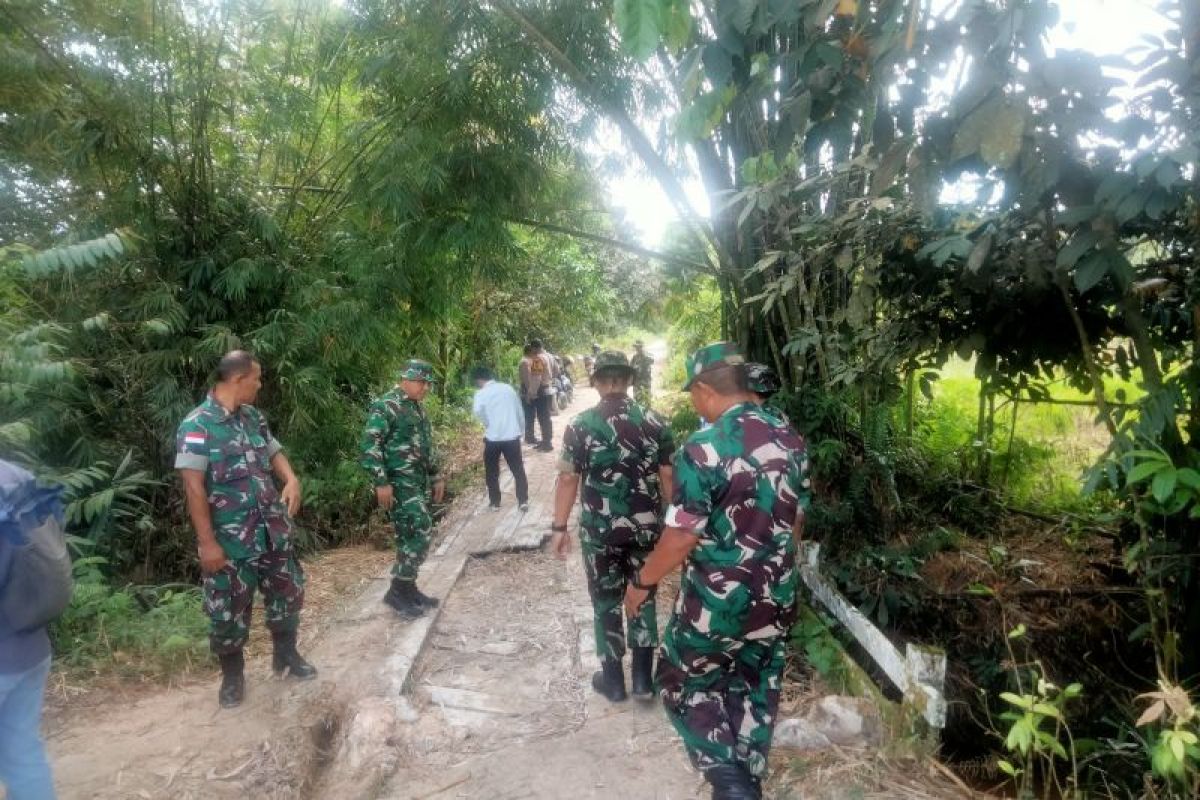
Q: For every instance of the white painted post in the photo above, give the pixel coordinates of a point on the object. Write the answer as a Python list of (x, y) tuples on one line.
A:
[(920, 672)]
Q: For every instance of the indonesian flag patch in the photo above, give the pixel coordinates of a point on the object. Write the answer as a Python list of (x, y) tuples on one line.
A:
[(195, 438)]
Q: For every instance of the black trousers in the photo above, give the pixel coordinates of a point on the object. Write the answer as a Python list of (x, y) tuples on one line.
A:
[(541, 407), (511, 450), (530, 414)]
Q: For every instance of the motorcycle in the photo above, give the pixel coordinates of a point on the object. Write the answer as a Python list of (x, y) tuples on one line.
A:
[(564, 393)]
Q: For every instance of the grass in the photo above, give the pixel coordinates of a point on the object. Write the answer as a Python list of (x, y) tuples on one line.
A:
[(1037, 463)]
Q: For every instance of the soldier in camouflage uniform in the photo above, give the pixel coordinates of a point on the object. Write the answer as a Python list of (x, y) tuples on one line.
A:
[(225, 454), (643, 366), (398, 453), (733, 523), (763, 383), (621, 453)]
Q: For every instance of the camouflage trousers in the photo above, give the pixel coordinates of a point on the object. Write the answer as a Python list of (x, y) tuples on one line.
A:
[(229, 597), (414, 531), (609, 569), (721, 695)]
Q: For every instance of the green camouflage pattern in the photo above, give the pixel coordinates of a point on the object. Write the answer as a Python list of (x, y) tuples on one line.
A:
[(229, 597), (762, 380), (612, 360), (617, 447), (397, 450), (739, 486), (249, 519), (234, 450), (712, 356), (417, 370)]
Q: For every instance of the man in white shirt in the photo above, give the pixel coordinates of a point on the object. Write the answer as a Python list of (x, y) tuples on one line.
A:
[(499, 409)]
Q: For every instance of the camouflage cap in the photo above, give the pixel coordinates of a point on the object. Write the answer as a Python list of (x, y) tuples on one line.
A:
[(761, 379), (710, 357), (613, 361), (417, 370)]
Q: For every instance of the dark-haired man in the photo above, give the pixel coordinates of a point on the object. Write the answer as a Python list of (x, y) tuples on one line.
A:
[(228, 460), (497, 406), (740, 492), (537, 373)]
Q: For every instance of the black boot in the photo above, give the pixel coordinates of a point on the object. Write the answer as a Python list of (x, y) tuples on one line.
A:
[(400, 597), (732, 782), (641, 680), (233, 680), (285, 659), (422, 598), (609, 681)]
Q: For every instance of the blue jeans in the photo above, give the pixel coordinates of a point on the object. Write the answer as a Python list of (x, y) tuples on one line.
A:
[(24, 771)]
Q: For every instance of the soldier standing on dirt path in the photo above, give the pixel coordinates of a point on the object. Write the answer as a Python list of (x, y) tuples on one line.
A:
[(225, 454), (643, 367), (740, 494), (621, 453), (398, 453)]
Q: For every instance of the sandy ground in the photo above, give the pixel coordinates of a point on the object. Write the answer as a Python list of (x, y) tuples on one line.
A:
[(489, 699)]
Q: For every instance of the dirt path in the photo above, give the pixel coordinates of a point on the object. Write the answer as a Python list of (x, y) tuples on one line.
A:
[(487, 698)]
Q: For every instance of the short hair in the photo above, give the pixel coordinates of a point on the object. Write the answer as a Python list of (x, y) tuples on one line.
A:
[(536, 344), (482, 374), (528, 350), (727, 380), (234, 364)]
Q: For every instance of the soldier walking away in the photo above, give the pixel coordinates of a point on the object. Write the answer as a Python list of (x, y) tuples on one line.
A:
[(643, 367), (225, 455), (497, 406), (589, 361), (621, 453), (397, 452), (733, 523)]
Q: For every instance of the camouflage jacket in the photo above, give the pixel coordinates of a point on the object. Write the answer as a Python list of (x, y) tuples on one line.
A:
[(617, 447), (234, 450), (739, 486), (397, 443), (642, 365)]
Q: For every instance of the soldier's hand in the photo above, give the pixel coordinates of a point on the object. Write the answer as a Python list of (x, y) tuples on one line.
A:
[(439, 490), (212, 558), (385, 496), (560, 544), (290, 495), (635, 598)]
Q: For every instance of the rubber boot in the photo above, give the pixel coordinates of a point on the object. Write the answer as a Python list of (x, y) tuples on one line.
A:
[(285, 659), (233, 679), (400, 597), (732, 782), (422, 598), (609, 681), (641, 675)]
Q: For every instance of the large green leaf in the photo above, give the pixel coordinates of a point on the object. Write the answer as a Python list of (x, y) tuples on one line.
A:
[(640, 23)]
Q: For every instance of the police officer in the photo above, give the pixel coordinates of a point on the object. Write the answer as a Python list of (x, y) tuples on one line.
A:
[(740, 491), (225, 454), (643, 366), (621, 453), (397, 452)]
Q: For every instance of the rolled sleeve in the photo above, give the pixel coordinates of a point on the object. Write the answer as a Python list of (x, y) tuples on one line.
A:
[(191, 461), (273, 447), (691, 503)]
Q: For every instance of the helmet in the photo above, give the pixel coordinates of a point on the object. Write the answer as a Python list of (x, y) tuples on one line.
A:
[(761, 379)]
